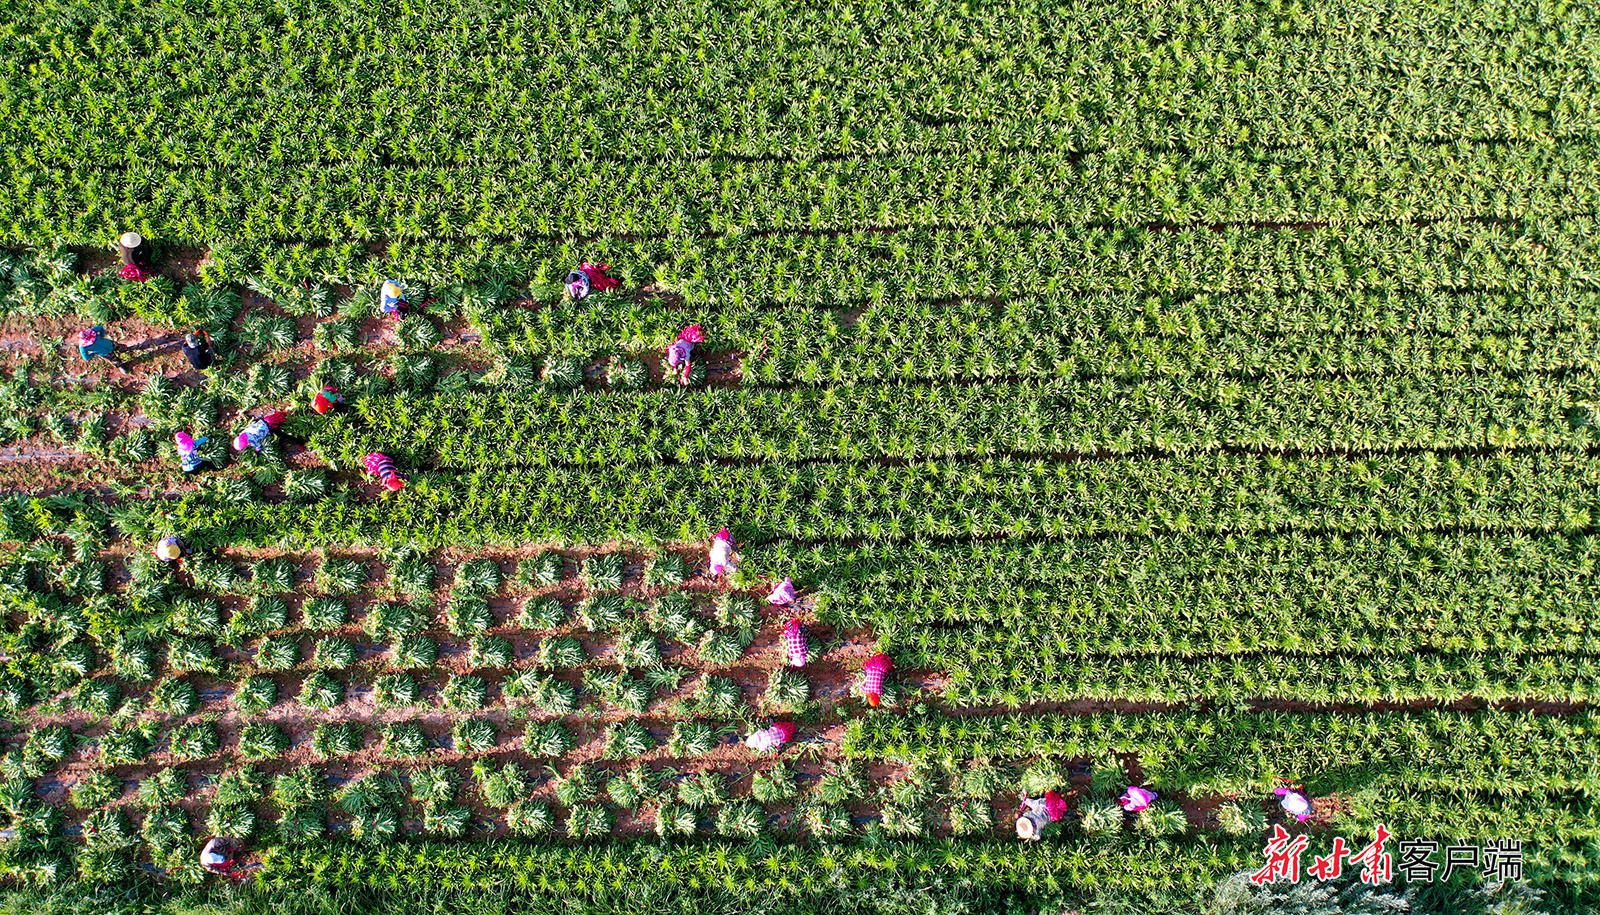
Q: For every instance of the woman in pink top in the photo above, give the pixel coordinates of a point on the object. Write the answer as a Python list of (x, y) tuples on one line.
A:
[(680, 353), (1136, 799)]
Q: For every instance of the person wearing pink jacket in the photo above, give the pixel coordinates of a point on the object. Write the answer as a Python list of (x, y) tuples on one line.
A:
[(723, 559), (680, 355)]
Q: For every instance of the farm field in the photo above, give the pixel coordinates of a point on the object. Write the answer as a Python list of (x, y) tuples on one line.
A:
[(1200, 397)]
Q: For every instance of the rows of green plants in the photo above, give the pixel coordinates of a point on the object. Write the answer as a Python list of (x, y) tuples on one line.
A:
[(1219, 493), (874, 421), (983, 187), (788, 80), (868, 265), (781, 870), (1488, 751), (982, 671), (1447, 590)]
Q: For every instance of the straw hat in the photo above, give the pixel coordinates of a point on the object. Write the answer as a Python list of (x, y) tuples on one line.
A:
[(132, 239), (1027, 828), (168, 550)]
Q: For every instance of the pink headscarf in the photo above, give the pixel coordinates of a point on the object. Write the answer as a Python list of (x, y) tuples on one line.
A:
[(1136, 798), (1055, 806), (184, 440), (692, 333), (87, 337), (782, 595)]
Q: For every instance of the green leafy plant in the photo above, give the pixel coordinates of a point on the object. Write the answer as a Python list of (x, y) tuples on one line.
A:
[(473, 735), (321, 691), (340, 576), (434, 785), (774, 785), (404, 740), (560, 651), (787, 691), (702, 790), (322, 614), (333, 653), (602, 571), (692, 738), (278, 653), (530, 819), (175, 696), (394, 690), (633, 787), (501, 786), (477, 578), (576, 787), (543, 570), (741, 819), (542, 613), (548, 738), (491, 651), (1236, 819), (589, 821), (465, 692), (335, 739), (95, 789), (414, 652), (665, 569), (262, 740), (628, 738)]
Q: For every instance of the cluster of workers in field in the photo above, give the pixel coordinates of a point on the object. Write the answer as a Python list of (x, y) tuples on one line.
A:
[(94, 343), (1036, 817)]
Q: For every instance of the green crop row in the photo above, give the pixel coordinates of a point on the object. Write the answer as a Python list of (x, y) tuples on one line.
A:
[(782, 870), (1224, 752), (1285, 583), (246, 82), (1218, 493), (981, 671), (868, 266), (863, 421), (983, 187), (1550, 818)]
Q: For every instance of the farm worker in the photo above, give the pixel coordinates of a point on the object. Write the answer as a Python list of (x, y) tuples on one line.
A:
[(1136, 799), (131, 246), (327, 399), (197, 349), (1055, 806), (680, 353), (1031, 819), (217, 855), (722, 558), (875, 669), (589, 278), (391, 298), (769, 739), (169, 549), (255, 434), (189, 451), (1293, 803), (794, 641), (92, 342), (782, 595), (380, 466)]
